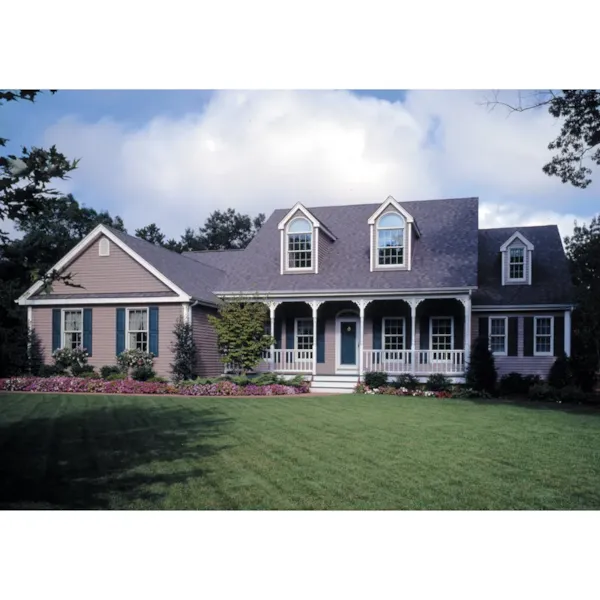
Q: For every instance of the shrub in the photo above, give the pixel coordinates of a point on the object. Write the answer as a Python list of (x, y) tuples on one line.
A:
[(107, 370), (532, 380), (50, 371), (240, 380), (157, 379), (81, 370), (116, 376), (35, 355), (265, 379), (361, 388), (375, 379), (297, 380), (65, 358), (583, 368), (184, 351), (542, 392), (467, 393), (481, 370), (128, 359), (142, 373), (514, 383), (571, 394), (89, 375), (438, 383), (561, 374), (408, 381)]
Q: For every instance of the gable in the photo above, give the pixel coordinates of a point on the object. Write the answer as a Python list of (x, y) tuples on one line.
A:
[(117, 273)]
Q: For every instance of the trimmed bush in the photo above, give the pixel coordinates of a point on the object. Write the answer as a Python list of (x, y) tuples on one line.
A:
[(561, 374), (438, 383), (35, 354), (107, 370), (129, 359), (514, 383), (464, 393), (65, 358), (481, 370), (116, 376), (157, 379), (51, 371), (142, 373), (542, 392), (184, 351), (408, 381), (81, 370), (571, 394), (375, 379), (532, 380)]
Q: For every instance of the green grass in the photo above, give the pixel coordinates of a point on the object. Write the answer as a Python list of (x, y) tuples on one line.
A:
[(338, 452)]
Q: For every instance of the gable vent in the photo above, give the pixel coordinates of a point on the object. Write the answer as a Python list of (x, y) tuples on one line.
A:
[(104, 247)]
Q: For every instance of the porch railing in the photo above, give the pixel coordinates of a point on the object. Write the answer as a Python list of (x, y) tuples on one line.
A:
[(427, 361), (288, 360)]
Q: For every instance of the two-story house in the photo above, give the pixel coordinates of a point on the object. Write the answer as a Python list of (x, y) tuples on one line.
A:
[(402, 287)]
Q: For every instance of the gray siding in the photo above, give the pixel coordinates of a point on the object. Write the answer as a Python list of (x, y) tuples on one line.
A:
[(208, 360)]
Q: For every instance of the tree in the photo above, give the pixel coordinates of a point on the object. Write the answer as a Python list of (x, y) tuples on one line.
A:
[(583, 252), (184, 350), (241, 335), (151, 233), (481, 371), (578, 143)]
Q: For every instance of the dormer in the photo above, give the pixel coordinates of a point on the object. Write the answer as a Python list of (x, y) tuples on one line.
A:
[(517, 256), (304, 240), (392, 233)]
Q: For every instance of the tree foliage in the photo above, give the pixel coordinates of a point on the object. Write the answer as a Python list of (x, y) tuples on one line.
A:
[(578, 144), (151, 233), (240, 328), (184, 351), (481, 371)]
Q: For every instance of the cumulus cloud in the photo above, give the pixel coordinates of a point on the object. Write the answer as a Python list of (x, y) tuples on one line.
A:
[(257, 151)]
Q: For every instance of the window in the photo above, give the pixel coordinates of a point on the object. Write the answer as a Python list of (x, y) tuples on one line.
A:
[(299, 244), (498, 335), (442, 337), (72, 328), (393, 333), (516, 264), (137, 329), (543, 333), (390, 240), (104, 247), (304, 334)]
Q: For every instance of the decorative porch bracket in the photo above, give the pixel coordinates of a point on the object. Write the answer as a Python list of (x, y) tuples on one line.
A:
[(413, 303), (314, 304), (466, 302)]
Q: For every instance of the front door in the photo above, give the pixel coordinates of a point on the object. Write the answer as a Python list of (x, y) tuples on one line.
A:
[(348, 344)]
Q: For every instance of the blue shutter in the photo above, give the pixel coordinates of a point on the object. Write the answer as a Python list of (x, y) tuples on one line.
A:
[(321, 341), (120, 330), (289, 334), (153, 326), (55, 329), (87, 330)]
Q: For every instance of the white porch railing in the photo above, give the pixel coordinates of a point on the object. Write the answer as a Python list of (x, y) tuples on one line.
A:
[(427, 361), (288, 360)]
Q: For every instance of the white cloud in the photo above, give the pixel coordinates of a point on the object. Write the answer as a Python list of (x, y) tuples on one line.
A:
[(256, 151)]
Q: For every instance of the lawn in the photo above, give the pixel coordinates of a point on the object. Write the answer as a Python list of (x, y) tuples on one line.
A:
[(337, 452)]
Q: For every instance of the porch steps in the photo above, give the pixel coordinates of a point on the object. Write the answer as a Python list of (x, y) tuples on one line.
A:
[(333, 384)]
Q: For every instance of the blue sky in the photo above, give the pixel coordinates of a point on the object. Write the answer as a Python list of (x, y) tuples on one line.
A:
[(171, 157)]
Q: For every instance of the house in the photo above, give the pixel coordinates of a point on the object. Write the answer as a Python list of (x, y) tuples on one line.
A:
[(402, 287)]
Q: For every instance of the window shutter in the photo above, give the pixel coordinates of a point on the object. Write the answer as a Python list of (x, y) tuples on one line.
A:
[(559, 336), (484, 327), (424, 333), (120, 330), (289, 334), (87, 330), (377, 332), (321, 341), (459, 332), (56, 329), (153, 329), (513, 336), (528, 336)]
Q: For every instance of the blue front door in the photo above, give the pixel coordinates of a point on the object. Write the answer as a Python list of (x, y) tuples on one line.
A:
[(348, 343)]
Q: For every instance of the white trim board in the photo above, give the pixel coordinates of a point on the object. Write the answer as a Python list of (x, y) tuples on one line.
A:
[(315, 222), (94, 301), (391, 201), (517, 235), (68, 258)]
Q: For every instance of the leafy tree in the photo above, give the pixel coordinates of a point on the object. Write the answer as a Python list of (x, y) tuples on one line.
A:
[(481, 371), (35, 356), (241, 336), (184, 351), (578, 143), (151, 233)]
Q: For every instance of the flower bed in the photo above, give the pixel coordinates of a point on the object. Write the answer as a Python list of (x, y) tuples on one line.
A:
[(388, 390), (130, 386)]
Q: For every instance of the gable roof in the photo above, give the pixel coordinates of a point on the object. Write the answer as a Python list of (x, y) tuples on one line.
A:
[(391, 201), (517, 235), (220, 259), (445, 256), (299, 207), (550, 279)]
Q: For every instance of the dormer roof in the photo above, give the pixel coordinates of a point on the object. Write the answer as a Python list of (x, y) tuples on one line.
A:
[(299, 207), (390, 201), (517, 235)]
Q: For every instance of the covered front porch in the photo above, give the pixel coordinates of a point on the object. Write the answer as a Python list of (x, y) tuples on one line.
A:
[(417, 335)]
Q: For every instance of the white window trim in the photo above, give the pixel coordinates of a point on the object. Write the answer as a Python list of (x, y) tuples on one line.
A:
[(535, 320), (127, 311), (525, 265), (287, 247), (62, 324), (383, 335), (296, 320), (376, 240), (104, 247), (505, 351), (431, 333)]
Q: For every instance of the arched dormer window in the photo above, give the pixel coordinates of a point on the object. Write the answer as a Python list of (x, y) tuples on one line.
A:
[(390, 240), (299, 244)]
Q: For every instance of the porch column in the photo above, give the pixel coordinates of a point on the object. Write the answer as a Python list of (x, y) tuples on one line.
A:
[(568, 332), (272, 307), (314, 304), (362, 305), (466, 302)]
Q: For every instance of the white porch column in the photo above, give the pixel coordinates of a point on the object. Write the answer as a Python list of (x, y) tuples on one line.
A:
[(272, 306), (568, 332), (314, 304), (414, 303), (466, 302), (362, 305)]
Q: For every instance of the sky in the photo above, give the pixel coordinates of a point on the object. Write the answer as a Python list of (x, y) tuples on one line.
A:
[(173, 157)]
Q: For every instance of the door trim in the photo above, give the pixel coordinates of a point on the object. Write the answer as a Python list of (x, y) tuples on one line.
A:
[(346, 369)]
